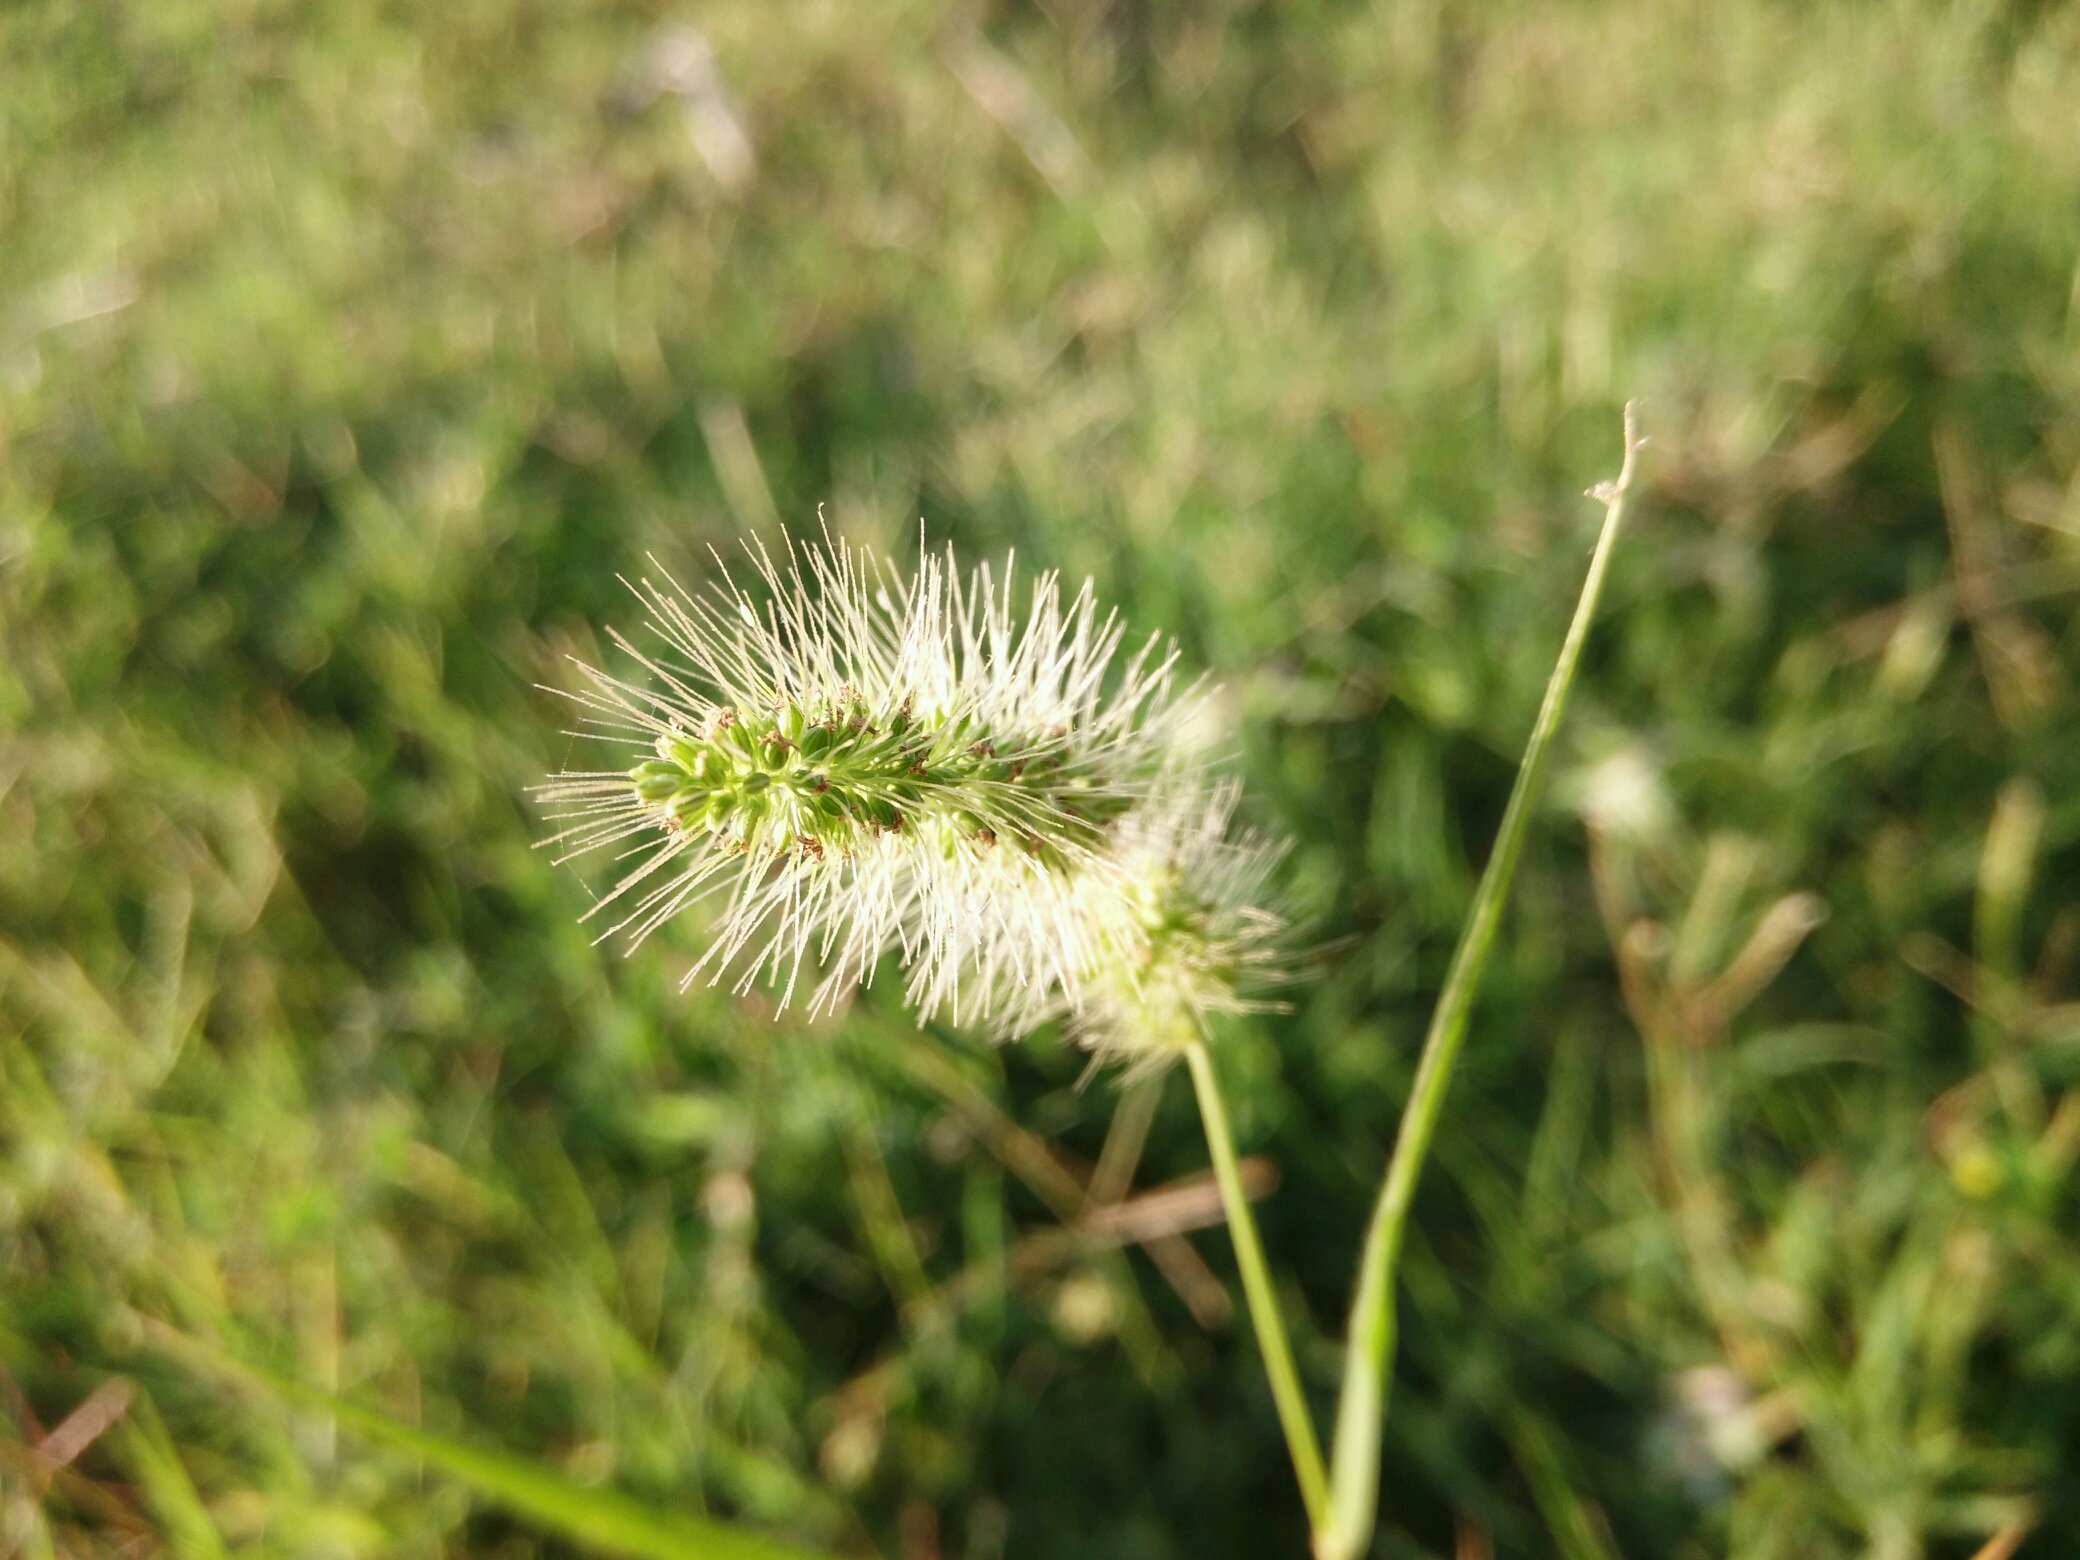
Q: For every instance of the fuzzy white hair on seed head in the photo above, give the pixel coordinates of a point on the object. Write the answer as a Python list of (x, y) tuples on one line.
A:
[(1186, 925), (845, 759)]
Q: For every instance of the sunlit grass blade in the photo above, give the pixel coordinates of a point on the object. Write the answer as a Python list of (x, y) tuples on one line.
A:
[(605, 1522), (1361, 1407), (152, 1461)]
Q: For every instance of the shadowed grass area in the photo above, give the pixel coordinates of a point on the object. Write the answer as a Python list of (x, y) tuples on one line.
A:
[(349, 351)]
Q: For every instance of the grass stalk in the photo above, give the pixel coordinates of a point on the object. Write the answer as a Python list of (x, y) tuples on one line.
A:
[(1361, 1407), (1293, 1417)]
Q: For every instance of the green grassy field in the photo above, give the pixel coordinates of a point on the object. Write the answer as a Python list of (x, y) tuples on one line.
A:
[(348, 351)]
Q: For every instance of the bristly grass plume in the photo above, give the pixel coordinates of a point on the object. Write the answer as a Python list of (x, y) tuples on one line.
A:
[(1186, 923), (857, 759)]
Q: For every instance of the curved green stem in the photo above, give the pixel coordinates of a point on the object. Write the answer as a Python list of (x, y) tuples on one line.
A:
[(1293, 1417), (1361, 1409)]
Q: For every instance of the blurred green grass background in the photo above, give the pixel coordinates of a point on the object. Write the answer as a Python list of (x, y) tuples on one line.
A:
[(349, 350)]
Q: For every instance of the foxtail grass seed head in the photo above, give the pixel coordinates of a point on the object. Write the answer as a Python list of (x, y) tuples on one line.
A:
[(1187, 923), (853, 760)]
